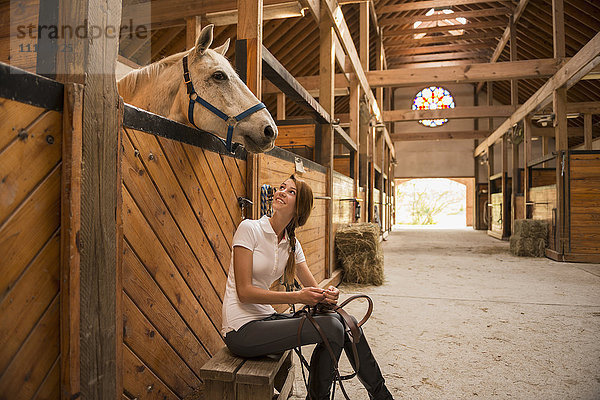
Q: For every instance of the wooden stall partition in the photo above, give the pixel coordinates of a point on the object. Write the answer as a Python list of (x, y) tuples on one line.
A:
[(343, 200), (342, 164), (583, 207), (180, 212), (297, 137), (31, 165), (276, 166)]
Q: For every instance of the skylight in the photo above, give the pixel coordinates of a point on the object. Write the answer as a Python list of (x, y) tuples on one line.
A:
[(440, 22)]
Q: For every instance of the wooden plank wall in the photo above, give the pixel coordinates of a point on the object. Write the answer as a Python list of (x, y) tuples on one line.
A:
[(584, 201), (273, 171), (30, 188), (180, 212), (343, 207), (296, 135)]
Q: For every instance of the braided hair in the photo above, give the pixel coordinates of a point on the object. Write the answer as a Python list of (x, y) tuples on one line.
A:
[(304, 203)]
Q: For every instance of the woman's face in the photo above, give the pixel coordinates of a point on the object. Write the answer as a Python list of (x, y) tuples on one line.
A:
[(284, 199)]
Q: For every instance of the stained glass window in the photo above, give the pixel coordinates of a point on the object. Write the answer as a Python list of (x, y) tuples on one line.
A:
[(433, 98)]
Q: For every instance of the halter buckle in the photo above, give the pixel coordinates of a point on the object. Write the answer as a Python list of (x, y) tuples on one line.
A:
[(231, 121)]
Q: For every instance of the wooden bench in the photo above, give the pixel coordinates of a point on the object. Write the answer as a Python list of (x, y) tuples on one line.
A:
[(227, 377)]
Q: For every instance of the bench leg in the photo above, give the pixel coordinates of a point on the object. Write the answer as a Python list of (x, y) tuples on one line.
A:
[(254, 392), (288, 386), (217, 390), (283, 372)]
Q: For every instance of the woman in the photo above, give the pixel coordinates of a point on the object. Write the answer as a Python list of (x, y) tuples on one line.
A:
[(265, 250)]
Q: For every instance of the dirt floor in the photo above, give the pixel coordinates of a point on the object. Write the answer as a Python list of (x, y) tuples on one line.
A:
[(459, 317)]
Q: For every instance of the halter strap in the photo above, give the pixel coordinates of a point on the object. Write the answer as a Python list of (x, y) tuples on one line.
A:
[(230, 121)]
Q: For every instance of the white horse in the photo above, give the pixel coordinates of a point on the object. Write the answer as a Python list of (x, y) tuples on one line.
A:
[(160, 88)]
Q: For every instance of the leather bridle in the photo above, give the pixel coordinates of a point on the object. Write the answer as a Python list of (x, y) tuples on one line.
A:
[(231, 121), (352, 328)]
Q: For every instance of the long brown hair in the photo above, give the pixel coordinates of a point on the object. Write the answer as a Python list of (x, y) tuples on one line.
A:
[(304, 204)]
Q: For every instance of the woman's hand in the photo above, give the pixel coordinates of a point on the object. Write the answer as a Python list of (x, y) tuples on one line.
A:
[(331, 295), (311, 295)]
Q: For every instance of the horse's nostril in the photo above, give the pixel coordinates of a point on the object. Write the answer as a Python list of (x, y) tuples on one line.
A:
[(269, 132)]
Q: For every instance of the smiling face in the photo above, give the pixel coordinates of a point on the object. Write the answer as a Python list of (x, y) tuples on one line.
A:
[(284, 199)]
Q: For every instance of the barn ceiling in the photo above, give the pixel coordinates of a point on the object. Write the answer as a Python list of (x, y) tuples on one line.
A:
[(471, 33)]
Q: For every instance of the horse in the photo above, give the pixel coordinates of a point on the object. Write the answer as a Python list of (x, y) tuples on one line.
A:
[(162, 89)]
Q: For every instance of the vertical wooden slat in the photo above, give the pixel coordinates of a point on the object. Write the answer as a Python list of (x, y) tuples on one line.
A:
[(364, 35), (92, 62), (192, 30), (249, 28), (559, 101), (280, 106), (326, 99), (355, 128), (587, 131), (488, 211), (505, 197), (70, 227), (514, 101), (526, 157)]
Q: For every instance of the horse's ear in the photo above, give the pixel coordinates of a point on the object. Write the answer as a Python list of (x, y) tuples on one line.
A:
[(222, 49), (205, 39)]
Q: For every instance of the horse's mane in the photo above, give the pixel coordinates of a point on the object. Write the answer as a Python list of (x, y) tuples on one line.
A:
[(131, 82)]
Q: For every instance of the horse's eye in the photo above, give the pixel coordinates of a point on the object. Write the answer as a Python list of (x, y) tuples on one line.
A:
[(219, 76)]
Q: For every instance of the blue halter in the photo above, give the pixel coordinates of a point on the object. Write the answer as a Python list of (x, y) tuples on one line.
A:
[(230, 121)]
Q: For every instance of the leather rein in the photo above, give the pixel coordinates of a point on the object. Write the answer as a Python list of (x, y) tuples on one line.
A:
[(351, 326), (229, 120)]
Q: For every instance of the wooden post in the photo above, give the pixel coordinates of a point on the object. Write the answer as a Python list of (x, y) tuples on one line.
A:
[(280, 106), (505, 197), (476, 211), (379, 66), (355, 128), (371, 155), (92, 61), (249, 34), (559, 101), (514, 101), (326, 99), (526, 157), (193, 27), (587, 131), (70, 228), (488, 212), (364, 35)]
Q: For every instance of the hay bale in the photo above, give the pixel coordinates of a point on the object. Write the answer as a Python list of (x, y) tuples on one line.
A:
[(531, 228), (360, 253), (527, 247)]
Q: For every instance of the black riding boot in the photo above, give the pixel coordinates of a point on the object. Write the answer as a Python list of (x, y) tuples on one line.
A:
[(369, 373), (321, 372)]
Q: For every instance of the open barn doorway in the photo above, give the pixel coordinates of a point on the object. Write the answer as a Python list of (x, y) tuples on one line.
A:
[(444, 203)]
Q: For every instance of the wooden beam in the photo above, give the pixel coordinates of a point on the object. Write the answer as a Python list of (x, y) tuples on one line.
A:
[(486, 12), (491, 34), (354, 105), (169, 10), (278, 75), (164, 40), (446, 28), (506, 35), (334, 13), (280, 106), (249, 61), (581, 62), (438, 135), (422, 5), (527, 156), (454, 113), (504, 183), (193, 27), (92, 62), (327, 101), (526, 69), (364, 35), (587, 131), (289, 9), (408, 51), (439, 56)]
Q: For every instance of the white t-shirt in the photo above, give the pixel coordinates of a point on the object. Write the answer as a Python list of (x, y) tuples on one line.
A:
[(268, 263)]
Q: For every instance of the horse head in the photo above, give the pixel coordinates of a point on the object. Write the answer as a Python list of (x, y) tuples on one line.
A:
[(215, 80)]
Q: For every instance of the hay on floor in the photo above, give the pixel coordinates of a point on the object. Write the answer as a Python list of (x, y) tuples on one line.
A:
[(360, 254), (529, 238)]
